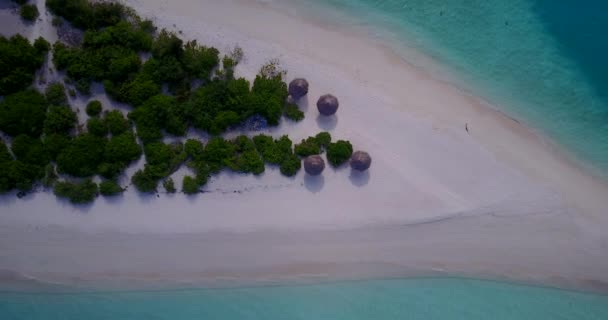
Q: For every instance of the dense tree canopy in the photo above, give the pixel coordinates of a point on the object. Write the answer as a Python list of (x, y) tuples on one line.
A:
[(19, 60), (82, 156), (23, 113), (59, 120)]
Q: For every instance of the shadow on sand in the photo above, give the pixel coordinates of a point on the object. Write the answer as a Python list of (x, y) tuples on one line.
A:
[(314, 184), (327, 123), (358, 178)]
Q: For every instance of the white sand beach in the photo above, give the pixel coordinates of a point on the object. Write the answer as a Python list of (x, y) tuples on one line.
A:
[(496, 201)]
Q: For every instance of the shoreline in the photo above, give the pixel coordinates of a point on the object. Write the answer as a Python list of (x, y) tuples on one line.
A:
[(498, 202)]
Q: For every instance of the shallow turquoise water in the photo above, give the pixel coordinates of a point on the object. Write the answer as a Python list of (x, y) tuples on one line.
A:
[(380, 299), (541, 61)]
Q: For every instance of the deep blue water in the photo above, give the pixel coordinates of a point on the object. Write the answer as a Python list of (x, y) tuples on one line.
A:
[(380, 299), (540, 61)]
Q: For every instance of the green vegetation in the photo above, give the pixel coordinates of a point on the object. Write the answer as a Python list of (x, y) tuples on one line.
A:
[(116, 122), (179, 85), (88, 14), (323, 139), (29, 12), (190, 185), (29, 150), (292, 112), (59, 120), (162, 160), (94, 108), (307, 147), (159, 113), (82, 156), (339, 152), (77, 193), (169, 185), (313, 145), (19, 60), (23, 113), (97, 127), (55, 94), (110, 188)]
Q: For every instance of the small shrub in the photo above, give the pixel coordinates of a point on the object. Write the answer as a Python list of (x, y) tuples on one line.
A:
[(145, 180), (307, 147), (190, 185), (291, 165), (29, 12), (116, 122), (339, 152), (94, 108), (59, 120), (323, 139), (169, 185), (110, 188), (55, 94), (292, 112), (77, 193), (96, 126)]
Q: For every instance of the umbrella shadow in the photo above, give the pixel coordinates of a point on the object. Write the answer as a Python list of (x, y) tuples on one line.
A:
[(358, 178), (327, 123), (303, 103), (314, 184)]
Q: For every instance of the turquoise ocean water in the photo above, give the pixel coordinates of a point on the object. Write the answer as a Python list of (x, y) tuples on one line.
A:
[(542, 61), (380, 299)]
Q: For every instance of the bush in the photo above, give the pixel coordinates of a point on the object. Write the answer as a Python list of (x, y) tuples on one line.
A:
[(22, 175), (146, 180), (323, 139), (82, 156), (85, 14), (23, 113), (199, 61), (55, 94), (291, 165), (190, 185), (307, 147), (55, 143), (60, 120), (116, 122), (339, 152), (246, 159), (29, 150), (273, 151), (217, 153), (158, 113), (29, 12), (169, 185), (96, 126), (19, 61), (110, 188), (194, 149), (94, 108), (122, 148), (77, 193), (292, 112)]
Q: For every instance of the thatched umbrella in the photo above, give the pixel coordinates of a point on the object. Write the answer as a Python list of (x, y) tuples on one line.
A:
[(298, 88), (327, 104), (314, 165), (360, 161)]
